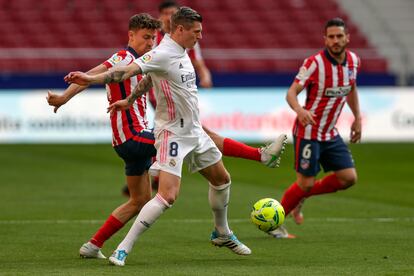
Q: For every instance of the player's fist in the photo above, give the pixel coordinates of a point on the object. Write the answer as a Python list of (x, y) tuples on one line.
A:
[(78, 78), (356, 131), (55, 100)]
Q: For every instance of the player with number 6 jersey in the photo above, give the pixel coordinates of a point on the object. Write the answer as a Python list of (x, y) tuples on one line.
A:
[(329, 78)]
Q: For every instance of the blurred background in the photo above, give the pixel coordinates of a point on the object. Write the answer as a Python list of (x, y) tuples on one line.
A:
[(267, 39), (252, 48)]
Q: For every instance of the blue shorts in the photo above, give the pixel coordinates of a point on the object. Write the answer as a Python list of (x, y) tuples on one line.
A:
[(137, 153), (333, 155)]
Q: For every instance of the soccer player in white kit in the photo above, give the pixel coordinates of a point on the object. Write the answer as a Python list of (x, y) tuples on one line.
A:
[(178, 131)]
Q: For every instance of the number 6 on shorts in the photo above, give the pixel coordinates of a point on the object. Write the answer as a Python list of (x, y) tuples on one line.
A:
[(307, 151)]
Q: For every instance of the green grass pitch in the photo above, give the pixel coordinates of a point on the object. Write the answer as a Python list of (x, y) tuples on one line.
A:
[(54, 197)]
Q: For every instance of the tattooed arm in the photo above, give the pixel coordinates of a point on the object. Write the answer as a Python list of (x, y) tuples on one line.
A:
[(117, 74), (143, 86)]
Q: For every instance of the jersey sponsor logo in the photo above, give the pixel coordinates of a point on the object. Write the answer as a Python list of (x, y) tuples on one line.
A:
[(338, 91), (146, 58), (188, 77)]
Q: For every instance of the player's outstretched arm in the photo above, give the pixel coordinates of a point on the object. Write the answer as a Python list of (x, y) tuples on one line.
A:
[(356, 127), (117, 74), (57, 100), (305, 117), (143, 86)]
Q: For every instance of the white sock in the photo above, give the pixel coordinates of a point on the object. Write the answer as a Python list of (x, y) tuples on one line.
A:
[(218, 196), (151, 211)]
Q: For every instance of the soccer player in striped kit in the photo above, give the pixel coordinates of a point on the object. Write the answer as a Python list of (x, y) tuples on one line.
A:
[(131, 139), (330, 81)]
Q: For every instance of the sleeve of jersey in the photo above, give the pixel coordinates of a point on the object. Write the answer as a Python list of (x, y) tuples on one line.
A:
[(305, 73), (153, 61), (359, 64), (120, 58)]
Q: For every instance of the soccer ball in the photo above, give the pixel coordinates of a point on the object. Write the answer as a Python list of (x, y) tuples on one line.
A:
[(267, 214)]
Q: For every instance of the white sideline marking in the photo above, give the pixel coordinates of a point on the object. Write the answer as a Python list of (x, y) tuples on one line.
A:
[(94, 221)]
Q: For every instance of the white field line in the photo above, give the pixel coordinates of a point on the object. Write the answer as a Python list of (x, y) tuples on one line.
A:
[(190, 221)]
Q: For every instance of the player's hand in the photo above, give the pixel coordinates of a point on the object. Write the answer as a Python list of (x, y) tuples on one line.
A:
[(118, 105), (206, 82), (55, 100), (306, 117), (78, 78), (356, 131)]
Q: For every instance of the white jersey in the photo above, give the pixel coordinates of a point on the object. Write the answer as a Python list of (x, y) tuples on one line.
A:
[(174, 81)]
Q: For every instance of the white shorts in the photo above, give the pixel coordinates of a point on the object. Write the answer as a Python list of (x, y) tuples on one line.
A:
[(199, 152)]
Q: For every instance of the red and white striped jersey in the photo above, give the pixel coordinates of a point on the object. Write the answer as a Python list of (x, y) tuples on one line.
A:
[(128, 123), (327, 85)]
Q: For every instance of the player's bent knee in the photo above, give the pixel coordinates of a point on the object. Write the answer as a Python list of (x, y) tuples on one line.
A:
[(348, 181), (306, 186), (226, 178), (168, 198), (222, 180)]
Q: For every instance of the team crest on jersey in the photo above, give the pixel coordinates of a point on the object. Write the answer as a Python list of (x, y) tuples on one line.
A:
[(351, 75), (304, 164), (116, 59), (146, 58), (172, 163)]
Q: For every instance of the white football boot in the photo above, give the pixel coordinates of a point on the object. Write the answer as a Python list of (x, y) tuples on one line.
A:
[(281, 233), (271, 153), (118, 257), (89, 250), (231, 242)]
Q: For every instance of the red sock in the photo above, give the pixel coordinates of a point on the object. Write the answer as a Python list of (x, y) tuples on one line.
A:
[(328, 184), (292, 197), (110, 227), (233, 148)]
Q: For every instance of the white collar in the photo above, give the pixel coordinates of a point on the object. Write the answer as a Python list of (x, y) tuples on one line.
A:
[(176, 46)]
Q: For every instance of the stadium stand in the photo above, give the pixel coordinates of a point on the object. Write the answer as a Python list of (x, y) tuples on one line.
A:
[(389, 25), (239, 36)]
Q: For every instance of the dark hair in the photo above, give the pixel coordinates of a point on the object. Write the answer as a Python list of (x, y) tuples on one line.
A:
[(167, 4), (337, 21), (143, 21), (185, 16)]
